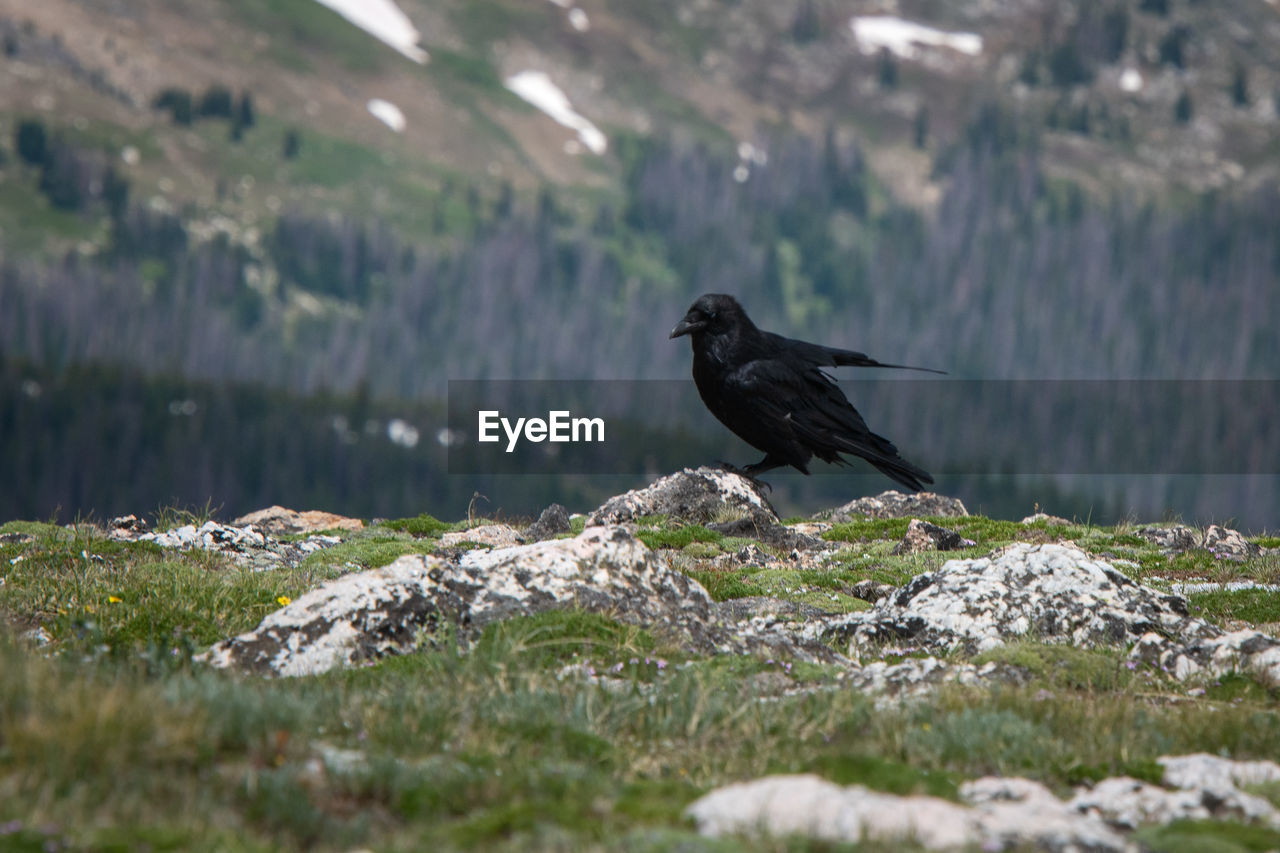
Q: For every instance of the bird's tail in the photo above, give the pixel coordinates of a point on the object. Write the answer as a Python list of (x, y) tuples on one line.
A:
[(883, 455), (902, 471)]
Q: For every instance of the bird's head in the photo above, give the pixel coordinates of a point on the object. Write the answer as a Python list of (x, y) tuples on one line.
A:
[(712, 314)]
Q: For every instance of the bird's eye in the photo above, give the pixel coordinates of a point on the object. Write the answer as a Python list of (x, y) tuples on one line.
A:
[(711, 316)]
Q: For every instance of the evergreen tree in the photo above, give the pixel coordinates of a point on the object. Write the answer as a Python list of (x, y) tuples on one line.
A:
[(1183, 109), (1240, 86), (887, 70), (292, 144), (806, 26), (32, 141)]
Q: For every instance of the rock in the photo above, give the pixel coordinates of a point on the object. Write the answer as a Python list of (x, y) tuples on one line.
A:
[(812, 807), (379, 612), (1045, 517), (770, 533), (1214, 654), (754, 606), (922, 536), (279, 521), (1175, 538), (870, 590), (1127, 803), (553, 521), (246, 545), (916, 677), (1228, 544), (126, 527), (894, 504), (1054, 593), (1211, 771), (491, 535), (693, 496)]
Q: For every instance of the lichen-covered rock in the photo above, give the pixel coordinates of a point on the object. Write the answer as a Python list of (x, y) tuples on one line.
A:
[(378, 612), (812, 807), (1212, 655), (1175, 538), (894, 504), (553, 521), (1127, 804), (1045, 517), (355, 617), (1200, 769), (694, 496), (1054, 593), (280, 521), (1225, 543), (771, 533), (246, 545), (915, 677), (922, 536), (490, 535)]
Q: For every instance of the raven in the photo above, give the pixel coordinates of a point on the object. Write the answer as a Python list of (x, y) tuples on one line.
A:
[(772, 393)]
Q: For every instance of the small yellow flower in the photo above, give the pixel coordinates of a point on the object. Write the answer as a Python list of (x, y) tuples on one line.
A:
[(283, 600), (113, 599)]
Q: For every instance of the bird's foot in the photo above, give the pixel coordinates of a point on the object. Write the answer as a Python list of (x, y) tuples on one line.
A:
[(744, 472)]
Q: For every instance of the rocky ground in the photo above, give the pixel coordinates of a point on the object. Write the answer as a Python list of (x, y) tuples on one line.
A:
[(902, 604)]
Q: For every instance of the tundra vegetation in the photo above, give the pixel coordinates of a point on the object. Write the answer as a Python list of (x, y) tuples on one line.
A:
[(111, 737)]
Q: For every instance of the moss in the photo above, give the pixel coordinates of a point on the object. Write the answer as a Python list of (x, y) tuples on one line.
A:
[(421, 526), (678, 537)]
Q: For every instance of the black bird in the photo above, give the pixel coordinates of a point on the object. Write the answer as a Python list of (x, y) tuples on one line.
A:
[(773, 393)]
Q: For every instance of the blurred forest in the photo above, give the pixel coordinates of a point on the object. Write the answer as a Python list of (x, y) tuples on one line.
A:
[(1016, 276)]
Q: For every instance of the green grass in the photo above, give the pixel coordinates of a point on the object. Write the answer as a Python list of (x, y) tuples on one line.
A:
[(424, 525), (1246, 605)]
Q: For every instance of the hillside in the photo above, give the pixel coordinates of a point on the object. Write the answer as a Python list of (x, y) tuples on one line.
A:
[(1102, 79)]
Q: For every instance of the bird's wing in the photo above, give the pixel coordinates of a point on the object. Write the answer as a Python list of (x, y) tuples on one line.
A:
[(805, 406), (817, 355)]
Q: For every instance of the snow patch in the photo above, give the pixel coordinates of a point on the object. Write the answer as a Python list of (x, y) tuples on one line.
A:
[(387, 113), (578, 20), (1130, 80), (904, 38), (383, 20), (536, 88)]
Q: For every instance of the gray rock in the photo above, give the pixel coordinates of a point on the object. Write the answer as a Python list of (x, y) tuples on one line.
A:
[(246, 545), (280, 521), (1045, 517), (871, 590), (753, 606), (1054, 593), (1228, 544), (1212, 654), (382, 611), (916, 677), (812, 807), (694, 496), (894, 504), (770, 533), (922, 536), (1175, 538), (1211, 771), (491, 535), (1127, 804), (553, 521)]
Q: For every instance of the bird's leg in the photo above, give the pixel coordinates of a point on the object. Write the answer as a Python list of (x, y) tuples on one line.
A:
[(750, 472), (768, 463)]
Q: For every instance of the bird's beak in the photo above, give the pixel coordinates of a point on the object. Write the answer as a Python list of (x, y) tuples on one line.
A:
[(687, 326)]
